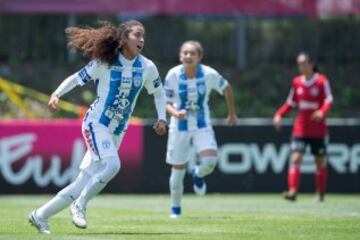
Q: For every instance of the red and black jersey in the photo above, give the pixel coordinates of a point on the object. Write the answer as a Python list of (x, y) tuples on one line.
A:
[(308, 96)]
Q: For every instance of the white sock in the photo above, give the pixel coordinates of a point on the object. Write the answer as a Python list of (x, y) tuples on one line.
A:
[(64, 198), (93, 188), (55, 205), (176, 186), (207, 166)]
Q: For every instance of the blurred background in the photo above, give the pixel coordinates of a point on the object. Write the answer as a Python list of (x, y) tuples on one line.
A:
[(253, 44)]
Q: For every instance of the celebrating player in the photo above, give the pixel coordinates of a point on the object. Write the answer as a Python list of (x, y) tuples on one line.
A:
[(119, 72), (187, 87), (311, 94)]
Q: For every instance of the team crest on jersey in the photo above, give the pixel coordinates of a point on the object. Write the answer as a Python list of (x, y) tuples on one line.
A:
[(106, 144), (300, 91), (314, 91), (137, 81), (201, 89)]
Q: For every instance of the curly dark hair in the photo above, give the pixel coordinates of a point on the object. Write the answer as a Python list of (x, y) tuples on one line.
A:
[(103, 43)]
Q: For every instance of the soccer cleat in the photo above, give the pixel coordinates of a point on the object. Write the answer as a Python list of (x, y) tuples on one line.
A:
[(78, 215), (175, 212), (198, 184), (290, 196), (39, 223)]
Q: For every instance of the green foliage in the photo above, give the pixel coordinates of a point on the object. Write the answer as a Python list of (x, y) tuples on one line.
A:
[(34, 53)]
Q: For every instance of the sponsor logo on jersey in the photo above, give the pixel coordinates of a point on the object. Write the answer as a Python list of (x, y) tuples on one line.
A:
[(138, 69), (116, 68), (308, 105), (314, 91), (123, 103)]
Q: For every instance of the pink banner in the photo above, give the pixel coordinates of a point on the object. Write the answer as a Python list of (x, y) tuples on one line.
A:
[(47, 153), (261, 7)]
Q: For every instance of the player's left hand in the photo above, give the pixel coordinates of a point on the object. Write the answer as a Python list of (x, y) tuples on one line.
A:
[(317, 116), (232, 119), (160, 127)]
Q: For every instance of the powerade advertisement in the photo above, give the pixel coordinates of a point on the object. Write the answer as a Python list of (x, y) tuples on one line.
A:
[(44, 156)]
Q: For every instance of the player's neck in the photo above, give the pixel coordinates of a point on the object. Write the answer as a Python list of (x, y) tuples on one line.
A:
[(191, 72), (309, 76), (127, 54)]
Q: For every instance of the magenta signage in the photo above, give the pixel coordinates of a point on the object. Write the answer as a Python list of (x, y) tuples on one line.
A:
[(46, 154)]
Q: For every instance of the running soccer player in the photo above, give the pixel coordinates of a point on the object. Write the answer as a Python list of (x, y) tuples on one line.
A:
[(311, 95), (119, 72), (187, 87)]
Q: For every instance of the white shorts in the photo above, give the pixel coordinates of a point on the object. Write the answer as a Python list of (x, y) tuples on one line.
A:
[(180, 142), (100, 142)]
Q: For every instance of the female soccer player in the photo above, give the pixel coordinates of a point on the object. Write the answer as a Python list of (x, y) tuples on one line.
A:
[(187, 87), (311, 94), (119, 72)]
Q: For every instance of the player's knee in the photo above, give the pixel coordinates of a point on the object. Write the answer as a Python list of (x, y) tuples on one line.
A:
[(209, 164), (112, 167), (296, 158), (72, 191)]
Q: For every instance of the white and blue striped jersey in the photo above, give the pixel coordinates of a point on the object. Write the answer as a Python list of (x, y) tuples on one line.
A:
[(192, 95), (118, 87)]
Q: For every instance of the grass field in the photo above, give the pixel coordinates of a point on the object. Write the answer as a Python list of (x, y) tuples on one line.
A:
[(211, 217)]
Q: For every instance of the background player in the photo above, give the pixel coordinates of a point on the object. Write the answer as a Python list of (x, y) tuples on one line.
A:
[(120, 72), (187, 88), (311, 94)]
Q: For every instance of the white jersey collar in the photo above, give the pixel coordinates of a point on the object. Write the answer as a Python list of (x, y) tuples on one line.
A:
[(311, 81), (126, 62)]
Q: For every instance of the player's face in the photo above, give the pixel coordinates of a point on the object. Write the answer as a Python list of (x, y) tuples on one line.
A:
[(189, 55), (135, 40), (305, 67)]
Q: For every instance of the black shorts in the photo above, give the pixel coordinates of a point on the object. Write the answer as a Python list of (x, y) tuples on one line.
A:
[(317, 145)]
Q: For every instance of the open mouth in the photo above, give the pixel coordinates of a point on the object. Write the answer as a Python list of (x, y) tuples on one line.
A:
[(139, 47)]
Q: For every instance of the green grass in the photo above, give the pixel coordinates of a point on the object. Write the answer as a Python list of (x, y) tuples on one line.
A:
[(216, 216)]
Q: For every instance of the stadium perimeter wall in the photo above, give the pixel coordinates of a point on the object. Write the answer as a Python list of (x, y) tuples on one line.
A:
[(44, 156)]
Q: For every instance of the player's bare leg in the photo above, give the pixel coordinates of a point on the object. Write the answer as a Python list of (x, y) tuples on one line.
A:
[(293, 176), (208, 159), (320, 178), (176, 184)]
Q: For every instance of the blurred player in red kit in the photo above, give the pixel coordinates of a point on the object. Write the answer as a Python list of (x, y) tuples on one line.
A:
[(311, 94)]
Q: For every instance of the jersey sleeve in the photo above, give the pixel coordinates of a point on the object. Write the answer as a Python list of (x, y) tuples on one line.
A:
[(169, 87), (217, 82), (291, 99), (328, 100), (289, 104), (152, 79), (88, 73)]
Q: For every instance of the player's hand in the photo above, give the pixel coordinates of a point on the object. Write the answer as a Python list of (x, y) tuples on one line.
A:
[(160, 127), (317, 116), (181, 114), (53, 102), (232, 119), (277, 122)]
